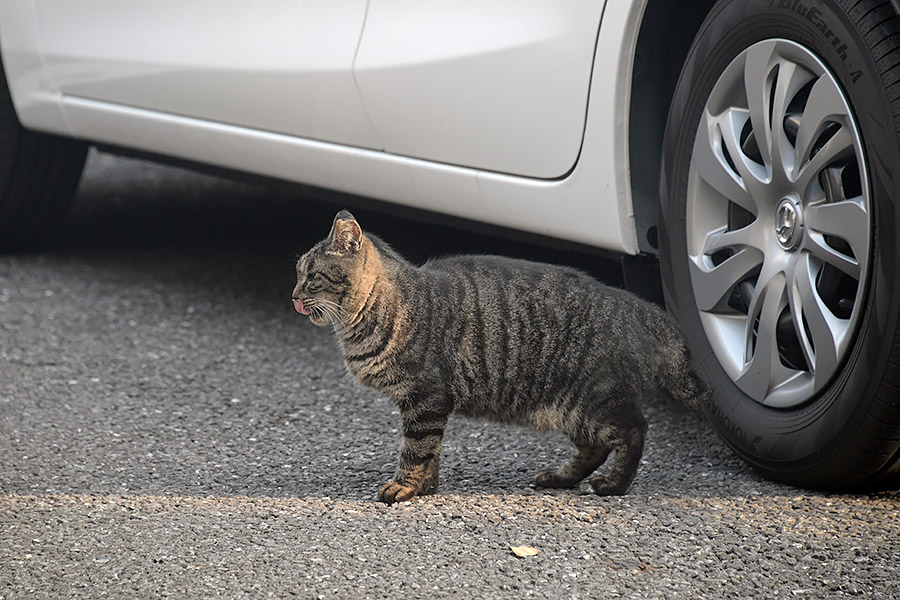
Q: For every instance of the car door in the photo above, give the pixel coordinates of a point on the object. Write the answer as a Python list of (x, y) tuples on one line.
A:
[(281, 66), (499, 86)]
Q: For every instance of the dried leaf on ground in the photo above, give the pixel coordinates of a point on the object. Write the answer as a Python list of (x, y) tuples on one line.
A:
[(524, 551)]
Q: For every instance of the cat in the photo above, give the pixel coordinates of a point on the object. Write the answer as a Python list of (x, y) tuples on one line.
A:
[(524, 343)]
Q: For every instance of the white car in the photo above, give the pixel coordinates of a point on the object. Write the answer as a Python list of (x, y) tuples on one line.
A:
[(751, 146)]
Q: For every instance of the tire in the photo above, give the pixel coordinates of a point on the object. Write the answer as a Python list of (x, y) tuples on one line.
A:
[(779, 234), (38, 177)]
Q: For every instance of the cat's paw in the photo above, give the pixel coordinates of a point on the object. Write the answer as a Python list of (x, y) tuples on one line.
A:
[(396, 492), (603, 486), (552, 478)]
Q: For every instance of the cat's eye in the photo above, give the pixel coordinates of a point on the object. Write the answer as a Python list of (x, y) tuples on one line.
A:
[(314, 281)]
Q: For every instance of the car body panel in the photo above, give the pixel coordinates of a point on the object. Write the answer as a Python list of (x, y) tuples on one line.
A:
[(479, 84), (281, 65), (589, 204), (34, 93)]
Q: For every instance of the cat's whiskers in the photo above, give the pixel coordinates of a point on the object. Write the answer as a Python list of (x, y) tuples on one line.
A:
[(329, 313), (332, 311), (335, 310), (323, 312), (335, 305)]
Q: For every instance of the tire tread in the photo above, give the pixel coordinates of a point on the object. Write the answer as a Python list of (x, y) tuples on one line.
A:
[(876, 443)]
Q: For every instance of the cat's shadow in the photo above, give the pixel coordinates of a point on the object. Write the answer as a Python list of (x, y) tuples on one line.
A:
[(682, 457)]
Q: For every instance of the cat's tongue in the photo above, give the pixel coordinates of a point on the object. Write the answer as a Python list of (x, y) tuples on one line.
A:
[(301, 308)]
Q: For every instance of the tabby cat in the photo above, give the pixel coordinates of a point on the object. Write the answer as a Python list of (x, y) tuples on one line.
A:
[(518, 342)]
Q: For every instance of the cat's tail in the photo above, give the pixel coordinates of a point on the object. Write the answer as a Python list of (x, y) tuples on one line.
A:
[(683, 384), (677, 376)]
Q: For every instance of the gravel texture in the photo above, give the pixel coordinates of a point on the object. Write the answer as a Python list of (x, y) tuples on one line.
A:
[(169, 427)]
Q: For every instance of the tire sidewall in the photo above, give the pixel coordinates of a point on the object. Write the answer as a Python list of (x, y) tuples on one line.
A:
[(799, 445)]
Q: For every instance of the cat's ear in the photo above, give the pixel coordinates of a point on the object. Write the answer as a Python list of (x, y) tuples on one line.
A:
[(346, 234)]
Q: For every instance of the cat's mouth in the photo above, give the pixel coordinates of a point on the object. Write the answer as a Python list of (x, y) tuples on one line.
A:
[(300, 307)]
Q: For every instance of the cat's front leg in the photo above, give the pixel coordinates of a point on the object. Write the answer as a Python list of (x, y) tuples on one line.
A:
[(417, 473)]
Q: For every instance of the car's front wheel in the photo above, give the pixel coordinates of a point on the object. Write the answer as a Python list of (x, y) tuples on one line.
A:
[(780, 233), (38, 177)]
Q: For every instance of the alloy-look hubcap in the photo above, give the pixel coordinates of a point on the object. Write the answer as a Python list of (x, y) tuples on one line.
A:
[(778, 223)]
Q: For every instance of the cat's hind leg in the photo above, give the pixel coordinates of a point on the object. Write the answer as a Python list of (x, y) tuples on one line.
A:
[(629, 447), (585, 462)]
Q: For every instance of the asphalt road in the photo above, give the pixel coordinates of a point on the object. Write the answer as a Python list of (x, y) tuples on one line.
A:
[(169, 427)]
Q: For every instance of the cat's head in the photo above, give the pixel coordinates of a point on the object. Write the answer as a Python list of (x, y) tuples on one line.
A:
[(329, 274)]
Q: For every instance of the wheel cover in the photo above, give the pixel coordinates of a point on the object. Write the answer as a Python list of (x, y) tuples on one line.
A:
[(778, 223)]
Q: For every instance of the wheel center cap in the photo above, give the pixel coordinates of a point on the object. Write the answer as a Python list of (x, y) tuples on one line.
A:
[(788, 224)]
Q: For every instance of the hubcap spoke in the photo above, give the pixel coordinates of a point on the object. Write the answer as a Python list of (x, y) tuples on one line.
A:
[(791, 79), (757, 71), (825, 105), (722, 239), (763, 369), (752, 174), (839, 147), (823, 251), (713, 284), (712, 166), (822, 342), (845, 221)]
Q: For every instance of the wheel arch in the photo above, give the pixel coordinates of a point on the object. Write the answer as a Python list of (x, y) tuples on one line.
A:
[(667, 30)]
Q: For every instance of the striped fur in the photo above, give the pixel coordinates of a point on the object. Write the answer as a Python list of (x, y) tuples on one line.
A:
[(523, 343)]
